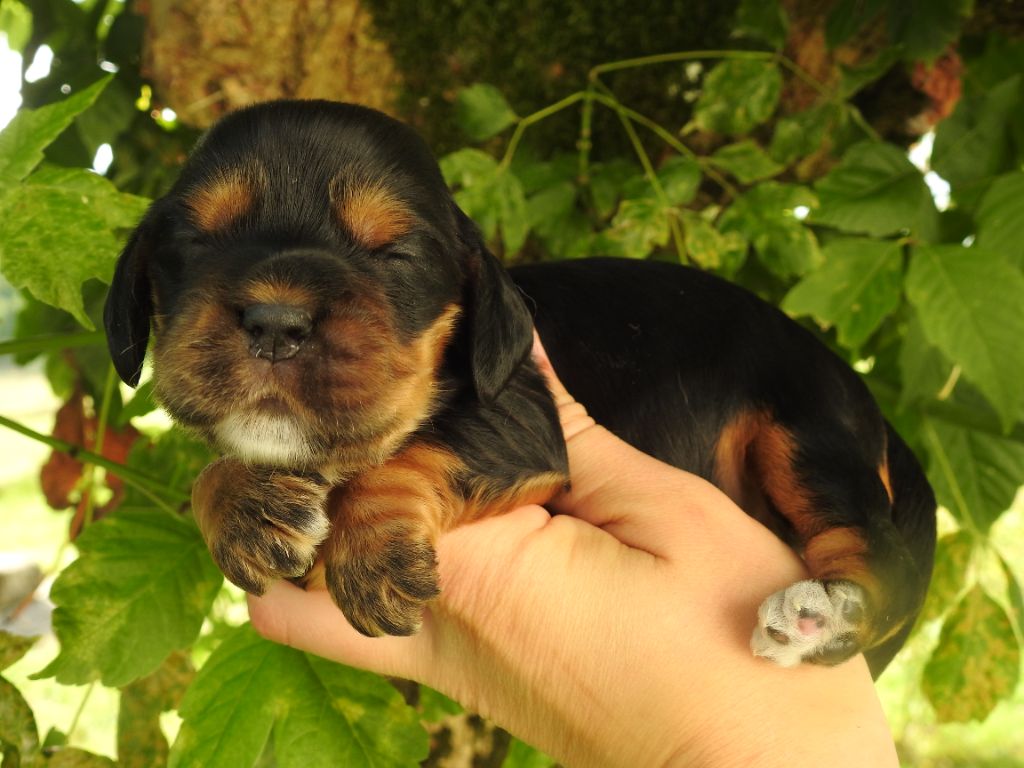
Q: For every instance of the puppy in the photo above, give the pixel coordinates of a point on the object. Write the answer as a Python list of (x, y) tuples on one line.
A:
[(326, 316)]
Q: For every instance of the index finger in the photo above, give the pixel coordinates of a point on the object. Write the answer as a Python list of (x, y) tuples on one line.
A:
[(311, 622), (640, 500)]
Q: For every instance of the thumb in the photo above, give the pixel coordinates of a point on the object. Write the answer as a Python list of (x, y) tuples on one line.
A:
[(643, 502)]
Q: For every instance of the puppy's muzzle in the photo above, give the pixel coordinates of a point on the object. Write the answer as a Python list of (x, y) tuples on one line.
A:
[(276, 331)]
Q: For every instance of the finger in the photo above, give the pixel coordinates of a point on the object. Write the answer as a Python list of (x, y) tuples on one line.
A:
[(310, 621), (574, 417), (643, 502)]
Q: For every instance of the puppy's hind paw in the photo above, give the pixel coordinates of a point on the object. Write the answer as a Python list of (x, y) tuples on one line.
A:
[(821, 622)]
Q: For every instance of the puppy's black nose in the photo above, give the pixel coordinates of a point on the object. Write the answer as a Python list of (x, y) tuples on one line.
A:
[(276, 330)]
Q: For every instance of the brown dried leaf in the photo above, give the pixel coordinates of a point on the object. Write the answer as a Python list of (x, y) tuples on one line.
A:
[(61, 473)]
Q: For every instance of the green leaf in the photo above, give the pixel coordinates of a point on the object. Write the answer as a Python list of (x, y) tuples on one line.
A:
[(77, 243), (746, 161), (710, 249), (737, 96), (763, 20), (142, 402), (321, 715), (479, 204), (969, 303), (974, 143), (512, 215), (16, 23), (482, 111), (55, 738), (856, 288), (977, 661), (854, 79), (117, 209), (952, 556), (174, 456), (875, 189), (550, 206), (1002, 57), (70, 757), (640, 226), (1015, 596), (606, 184), (848, 16), (17, 724), (679, 178), (32, 130), (925, 28), (1000, 218), (66, 215), (765, 216), (112, 115), (467, 167), (553, 216), (975, 475), (140, 588), (13, 647), (538, 175), (140, 739), (522, 755), (435, 706), (801, 134), (490, 195), (924, 369)]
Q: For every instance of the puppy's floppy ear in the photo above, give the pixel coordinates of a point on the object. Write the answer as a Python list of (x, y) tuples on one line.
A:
[(129, 307), (500, 328)]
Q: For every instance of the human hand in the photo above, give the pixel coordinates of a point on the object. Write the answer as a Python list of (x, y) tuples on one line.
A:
[(616, 632)]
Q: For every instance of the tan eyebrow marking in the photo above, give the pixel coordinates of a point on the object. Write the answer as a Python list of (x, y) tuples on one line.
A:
[(218, 203), (372, 214)]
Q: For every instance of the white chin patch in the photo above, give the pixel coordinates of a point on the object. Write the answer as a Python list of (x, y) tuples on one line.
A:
[(263, 439)]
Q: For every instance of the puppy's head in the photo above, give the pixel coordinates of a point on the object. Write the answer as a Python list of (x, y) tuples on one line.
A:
[(312, 289)]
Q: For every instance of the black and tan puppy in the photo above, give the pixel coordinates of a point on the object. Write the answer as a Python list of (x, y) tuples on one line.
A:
[(326, 315)]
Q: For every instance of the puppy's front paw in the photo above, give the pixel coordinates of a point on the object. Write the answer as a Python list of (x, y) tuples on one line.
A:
[(816, 621), (381, 579), (260, 524)]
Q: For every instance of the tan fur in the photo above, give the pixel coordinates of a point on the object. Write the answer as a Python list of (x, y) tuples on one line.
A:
[(386, 388), (275, 293), (883, 474), (839, 553), (221, 202), (401, 380), (486, 502), (379, 559), (774, 451), (733, 471), (754, 465), (259, 524), (373, 214)]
